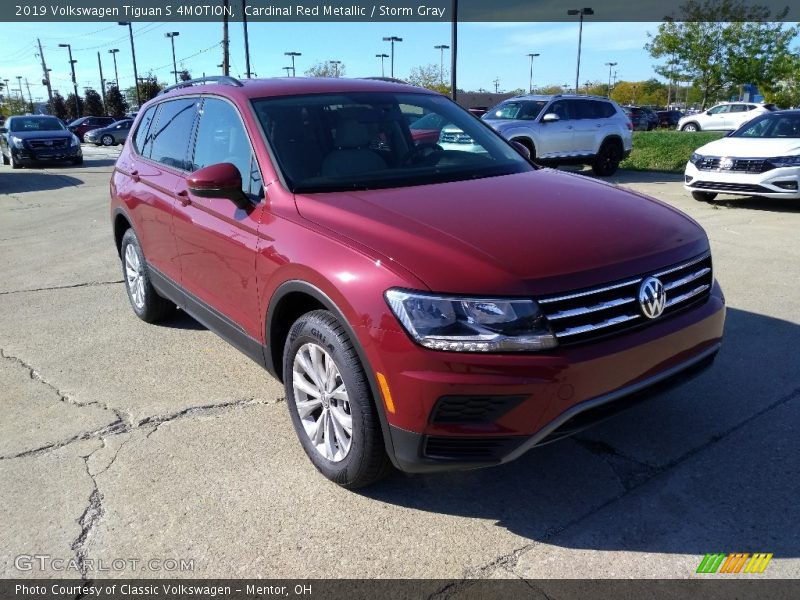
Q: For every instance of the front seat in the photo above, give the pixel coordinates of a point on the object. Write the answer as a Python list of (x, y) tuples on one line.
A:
[(352, 155)]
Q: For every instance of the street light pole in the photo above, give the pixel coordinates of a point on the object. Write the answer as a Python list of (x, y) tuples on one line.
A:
[(610, 65), (442, 48), (582, 12), (393, 39), (113, 52), (382, 56), (74, 81), (335, 64), (172, 35), (530, 76), (133, 54), (246, 39), (292, 55)]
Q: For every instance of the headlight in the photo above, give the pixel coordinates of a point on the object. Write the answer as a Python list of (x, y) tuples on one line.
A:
[(471, 324), (75, 141), (785, 161), (16, 141), (695, 158)]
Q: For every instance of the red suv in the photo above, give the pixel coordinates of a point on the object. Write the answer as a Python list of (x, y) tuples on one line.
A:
[(431, 309)]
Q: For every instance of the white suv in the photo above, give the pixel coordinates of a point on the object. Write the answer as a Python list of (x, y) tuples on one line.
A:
[(566, 129), (726, 116)]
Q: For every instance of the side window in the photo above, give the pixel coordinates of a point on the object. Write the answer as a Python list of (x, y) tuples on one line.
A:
[(170, 138), (560, 108), (606, 109), (738, 108), (221, 137), (718, 110), (140, 138)]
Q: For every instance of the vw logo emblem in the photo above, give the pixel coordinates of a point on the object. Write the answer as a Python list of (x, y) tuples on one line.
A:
[(652, 298), (726, 162)]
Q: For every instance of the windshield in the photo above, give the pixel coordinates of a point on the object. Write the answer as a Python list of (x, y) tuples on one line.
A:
[(771, 126), (362, 140), (35, 124), (517, 109)]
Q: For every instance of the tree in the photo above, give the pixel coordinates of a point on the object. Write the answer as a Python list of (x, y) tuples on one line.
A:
[(115, 103), (325, 69), (93, 103), (149, 88), (786, 92), (184, 75), (56, 106), (428, 76), (14, 105), (73, 111), (722, 44)]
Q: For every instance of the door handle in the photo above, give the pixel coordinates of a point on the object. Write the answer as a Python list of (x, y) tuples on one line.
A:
[(135, 176), (183, 198)]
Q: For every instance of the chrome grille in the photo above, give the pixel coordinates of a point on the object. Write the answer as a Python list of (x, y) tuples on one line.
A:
[(740, 165), (584, 315)]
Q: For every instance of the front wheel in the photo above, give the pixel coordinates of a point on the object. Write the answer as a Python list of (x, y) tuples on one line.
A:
[(15, 164), (691, 127), (703, 196), (607, 160), (330, 402), (107, 140)]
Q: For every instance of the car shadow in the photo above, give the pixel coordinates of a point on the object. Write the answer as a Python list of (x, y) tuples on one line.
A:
[(711, 466), (182, 320), (22, 180)]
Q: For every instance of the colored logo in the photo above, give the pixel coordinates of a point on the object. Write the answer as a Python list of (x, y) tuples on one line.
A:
[(736, 562)]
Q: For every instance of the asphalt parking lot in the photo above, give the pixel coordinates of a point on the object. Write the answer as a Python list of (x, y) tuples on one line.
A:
[(120, 439)]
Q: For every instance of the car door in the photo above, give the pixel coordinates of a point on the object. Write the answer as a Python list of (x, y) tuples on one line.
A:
[(556, 136), (158, 163), (717, 118), (217, 240), (586, 124)]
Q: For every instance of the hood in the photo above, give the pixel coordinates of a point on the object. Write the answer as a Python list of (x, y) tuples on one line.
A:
[(739, 147), (539, 232), (33, 135)]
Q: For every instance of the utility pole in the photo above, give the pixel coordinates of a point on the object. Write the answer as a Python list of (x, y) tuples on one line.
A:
[(113, 52), (454, 53), (226, 58), (382, 56), (442, 48), (530, 76), (496, 85), (74, 81), (46, 77), (293, 55), (610, 65), (246, 40), (392, 39), (133, 54), (30, 99), (102, 83)]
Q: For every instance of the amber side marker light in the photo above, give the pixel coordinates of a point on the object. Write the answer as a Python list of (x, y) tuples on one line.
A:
[(387, 395)]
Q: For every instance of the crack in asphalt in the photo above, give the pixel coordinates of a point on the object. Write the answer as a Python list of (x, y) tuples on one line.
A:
[(509, 561), (64, 287), (88, 520)]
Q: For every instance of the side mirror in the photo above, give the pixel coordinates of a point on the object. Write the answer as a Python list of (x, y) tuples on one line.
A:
[(221, 180), (522, 149), (550, 118)]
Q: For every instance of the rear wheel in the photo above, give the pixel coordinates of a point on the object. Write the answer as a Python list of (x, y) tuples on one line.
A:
[(690, 127), (607, 160), (703, 196), (145, 301), (330, 402)]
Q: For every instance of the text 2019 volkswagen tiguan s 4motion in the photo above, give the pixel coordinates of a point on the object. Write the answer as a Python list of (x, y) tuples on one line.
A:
[(425, 308)]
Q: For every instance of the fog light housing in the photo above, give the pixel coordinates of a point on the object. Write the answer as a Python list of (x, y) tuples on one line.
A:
[(688, 178), (786, 185)]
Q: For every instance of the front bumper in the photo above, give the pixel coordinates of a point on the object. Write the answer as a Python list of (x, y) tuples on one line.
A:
[(25, 154), (782, 182), (533, 399)]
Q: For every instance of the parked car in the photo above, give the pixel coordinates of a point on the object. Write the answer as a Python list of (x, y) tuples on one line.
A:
[(638, 119), (427, 308), (726, 116), (669, 118), (37, 138), (644, 118), (761, 158), (80, 126), (113, 134), (566, 129), (427, 129)]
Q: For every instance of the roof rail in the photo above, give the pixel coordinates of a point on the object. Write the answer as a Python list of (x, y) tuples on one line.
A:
[(221, 79)]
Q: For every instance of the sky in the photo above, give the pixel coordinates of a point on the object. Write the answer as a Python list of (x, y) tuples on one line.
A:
[(487, 51)]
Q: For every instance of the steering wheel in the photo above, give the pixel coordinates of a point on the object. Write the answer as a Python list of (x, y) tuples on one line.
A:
[(423, 153)]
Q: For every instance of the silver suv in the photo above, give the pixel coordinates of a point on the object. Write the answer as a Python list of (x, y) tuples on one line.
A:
[(566, 129)]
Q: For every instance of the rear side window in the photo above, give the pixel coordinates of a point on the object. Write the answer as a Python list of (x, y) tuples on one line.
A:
[(140, 138), (590, 109), (170, 137)]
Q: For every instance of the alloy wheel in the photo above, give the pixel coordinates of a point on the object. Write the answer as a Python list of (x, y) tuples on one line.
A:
[(133, 273)]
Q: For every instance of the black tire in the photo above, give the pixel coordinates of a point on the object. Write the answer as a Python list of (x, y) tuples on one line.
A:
[(607, 160), (5, 159), (703, 196), (365, 461), (529, 145), (15, 164), (107, 140), (153, 307), (691, 127), (78, 161)]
